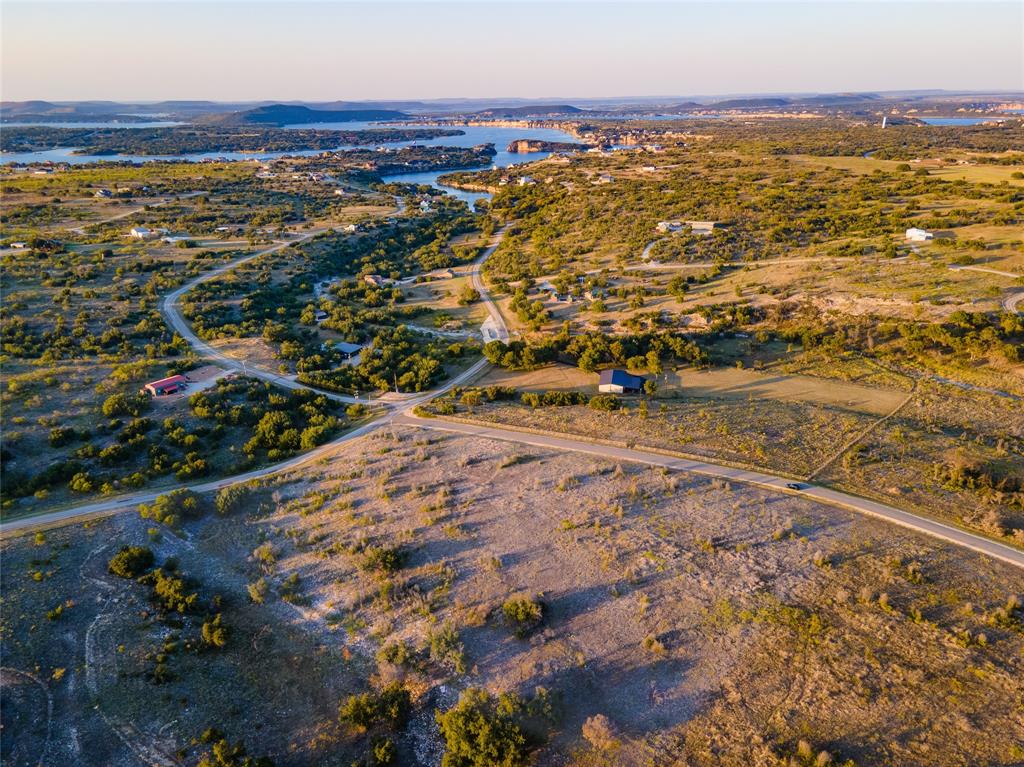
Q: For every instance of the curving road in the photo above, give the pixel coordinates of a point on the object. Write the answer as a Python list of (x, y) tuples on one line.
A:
[(169, 308), (825, 495), (401, 413)]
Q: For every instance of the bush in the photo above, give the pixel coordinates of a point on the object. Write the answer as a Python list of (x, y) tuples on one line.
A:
[(170, 591), (382, 559), (605, 402), (223, 754), (123, 404), (130, 562), (389, 707), (396, 653), (214, 632), (522, 614), (479, 733), (171, 508), (446, 648), (232, 498)]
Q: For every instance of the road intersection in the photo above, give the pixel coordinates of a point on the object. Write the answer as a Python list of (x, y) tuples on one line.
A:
[(401, 412)]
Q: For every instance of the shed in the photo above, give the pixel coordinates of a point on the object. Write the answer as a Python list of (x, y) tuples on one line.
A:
[(164, 386), (615, 381)]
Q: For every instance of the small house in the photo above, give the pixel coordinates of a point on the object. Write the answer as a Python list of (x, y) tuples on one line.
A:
[(605, 178), (141, 233), (615, 381), (165, 386), (666, 227), (919, 235)]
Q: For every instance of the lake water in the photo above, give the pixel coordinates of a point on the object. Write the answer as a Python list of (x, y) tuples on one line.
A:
[(119, 125), (472, 136), (958, 120)]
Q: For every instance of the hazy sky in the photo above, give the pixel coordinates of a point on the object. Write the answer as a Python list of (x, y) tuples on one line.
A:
[(387, 50)]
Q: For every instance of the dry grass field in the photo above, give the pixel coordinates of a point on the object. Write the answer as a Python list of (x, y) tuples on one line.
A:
[(684, 621)]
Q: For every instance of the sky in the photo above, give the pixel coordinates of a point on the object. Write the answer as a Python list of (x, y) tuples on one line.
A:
[(275, 50)]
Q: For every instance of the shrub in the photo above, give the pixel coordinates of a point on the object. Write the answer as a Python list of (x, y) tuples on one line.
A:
[(223, 754), (214, 632), (389, 707), (383, 559), (170, 591), (606, 402), (123, 404), (258, 591), (446, 648), (231, 498), (171, 508), (600, 733), (522, 614), (479, 733), (396, 653), (130, 562)]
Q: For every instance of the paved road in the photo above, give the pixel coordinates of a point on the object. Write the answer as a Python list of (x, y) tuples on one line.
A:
[(407, 418), (771, 482), (169, 308), (494, 328)]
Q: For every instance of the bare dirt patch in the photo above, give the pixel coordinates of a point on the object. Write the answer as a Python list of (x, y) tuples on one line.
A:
[(709, 623)]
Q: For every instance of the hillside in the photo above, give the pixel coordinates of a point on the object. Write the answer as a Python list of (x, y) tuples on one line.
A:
[(290, 114), (535, 110)]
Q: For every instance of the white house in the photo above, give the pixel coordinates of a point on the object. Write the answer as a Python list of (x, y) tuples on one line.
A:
[(605, 178), (525, 181), (141, 233), (669, 226), (919, 235)]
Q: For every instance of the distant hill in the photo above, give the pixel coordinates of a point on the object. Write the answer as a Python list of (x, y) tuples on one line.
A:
[(686, 106), (536, 110), (748, 104), (11, 108), (292, 114)]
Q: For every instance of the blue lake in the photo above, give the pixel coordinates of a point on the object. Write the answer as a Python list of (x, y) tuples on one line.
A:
[(958, 120), (115, 124), (472, 136)]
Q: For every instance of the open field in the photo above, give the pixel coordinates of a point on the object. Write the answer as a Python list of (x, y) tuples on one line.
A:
[(984, 174), (668, 603), (730, 383)]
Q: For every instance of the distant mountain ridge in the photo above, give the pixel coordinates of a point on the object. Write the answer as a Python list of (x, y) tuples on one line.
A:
[(534, 110), (293, 114)]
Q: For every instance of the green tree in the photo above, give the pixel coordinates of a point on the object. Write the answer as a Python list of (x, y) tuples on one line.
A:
[(477, 733), (130, 562)]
